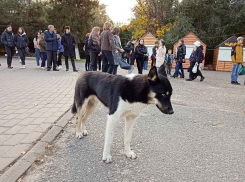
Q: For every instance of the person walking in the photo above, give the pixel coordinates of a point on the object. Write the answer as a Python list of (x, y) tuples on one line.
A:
[(42, 45), (169, 59), (161, 53), (94, 48), (61, 51), (117, 55), (69, 43), (237, 60), (140, 53), (86, 49), (21, 42), (7, 39), (180, 59), (51, 47), (130, 53), (197, 58), (107, 45), (37, 48), (154, 53)]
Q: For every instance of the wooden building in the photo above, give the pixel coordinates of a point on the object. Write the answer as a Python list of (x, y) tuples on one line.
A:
[(189, 40), (222, 55)]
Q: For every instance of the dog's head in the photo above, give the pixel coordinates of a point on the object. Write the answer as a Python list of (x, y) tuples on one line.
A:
[(160, 90)]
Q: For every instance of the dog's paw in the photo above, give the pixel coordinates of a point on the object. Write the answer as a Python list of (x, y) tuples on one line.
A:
[(131, 155), (79, 135), (107, 159), (85, 133)]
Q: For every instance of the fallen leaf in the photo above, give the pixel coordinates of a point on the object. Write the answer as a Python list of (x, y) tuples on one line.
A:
[(24, 152), (70, 122)]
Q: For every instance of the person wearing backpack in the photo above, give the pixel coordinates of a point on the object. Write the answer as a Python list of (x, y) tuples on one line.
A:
[(94, 48), (237, 60)]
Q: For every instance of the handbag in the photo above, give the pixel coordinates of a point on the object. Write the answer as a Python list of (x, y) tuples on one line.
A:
[(241, 71), (124, 65), (27, 49), (194, 69)]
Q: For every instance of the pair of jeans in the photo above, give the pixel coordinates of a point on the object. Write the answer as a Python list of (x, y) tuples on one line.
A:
[(52, 58), (93, 61), (145, 65), (234, 73), (22, 54), (87, 62), (59, 62), (72, 62), (38, 56), (99, 62), (179, 66), (108, 62), (44, 58), (192, 76), (140, 62), (10, 54), (115, 70), (131, 69)]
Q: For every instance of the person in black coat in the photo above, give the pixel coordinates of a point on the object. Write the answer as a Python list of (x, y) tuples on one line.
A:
[(69, 43), (154, 53), (130, 53), (140, 54), (21, 42), (196, 60), (7, 39), (52, 46), (87, 55)]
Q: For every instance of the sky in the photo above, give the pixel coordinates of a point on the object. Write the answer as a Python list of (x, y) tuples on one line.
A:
[(119, 10)]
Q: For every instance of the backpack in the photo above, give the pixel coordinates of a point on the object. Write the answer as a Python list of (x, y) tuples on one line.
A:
[(233, 51)]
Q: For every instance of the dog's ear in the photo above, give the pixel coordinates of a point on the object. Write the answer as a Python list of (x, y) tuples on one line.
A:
[(162, 71), (153, 76)]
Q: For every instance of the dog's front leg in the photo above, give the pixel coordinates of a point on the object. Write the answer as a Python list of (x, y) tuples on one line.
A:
[(129, 125), (109, 134)]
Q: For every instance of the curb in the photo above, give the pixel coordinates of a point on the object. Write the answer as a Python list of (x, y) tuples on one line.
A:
[(23, 164)]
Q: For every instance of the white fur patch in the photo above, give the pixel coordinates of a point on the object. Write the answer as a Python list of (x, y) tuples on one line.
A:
[(131, 76)]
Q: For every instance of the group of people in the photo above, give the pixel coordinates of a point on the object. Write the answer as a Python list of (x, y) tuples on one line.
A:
[(49, 46)]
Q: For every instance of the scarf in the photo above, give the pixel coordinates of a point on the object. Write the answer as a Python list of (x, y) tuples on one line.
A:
[(118, 38)]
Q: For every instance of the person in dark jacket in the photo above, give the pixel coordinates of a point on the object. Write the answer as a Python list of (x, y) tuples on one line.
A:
[(196, 60), (154, 53), (94, 48), (86, 49), (130, 53), (42, 46), (7, 39), (69, 43), (21, 42), (180, 59), (140, 54), (107, 46), (61, 51), (51, 47)]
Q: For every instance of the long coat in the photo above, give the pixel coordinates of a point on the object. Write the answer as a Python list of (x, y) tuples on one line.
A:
[(7, 39), (160, 57), (51, 41), (69, 43), (21, 41), (117, 56)]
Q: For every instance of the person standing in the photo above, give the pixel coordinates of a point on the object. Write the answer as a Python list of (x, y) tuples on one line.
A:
[(181, 52), (130, 53), (237, 60), (94, 48), (107, 45), (196, 60), (140, 53), (154, 53), (37, 48), (169, 59), (86, 49), (61, 51), (7, 39), (118, 53), (161, 52), (21, 42), (69, 43), (42, 45)]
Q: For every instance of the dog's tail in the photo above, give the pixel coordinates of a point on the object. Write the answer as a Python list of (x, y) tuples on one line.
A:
[(74, 108)]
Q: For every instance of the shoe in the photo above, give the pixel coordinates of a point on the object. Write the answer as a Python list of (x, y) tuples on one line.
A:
[(56, 70), (43, 68), (238, 83), (48, 70), (235, 83), (10, 67), (67, 69), (59, 67), (182, 77), (38, 66), (189, 80), (75, 70), (23, 67), (172, 76), (202, 79)]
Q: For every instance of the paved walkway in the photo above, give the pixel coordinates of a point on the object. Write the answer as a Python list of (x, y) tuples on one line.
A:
[(31, 100)]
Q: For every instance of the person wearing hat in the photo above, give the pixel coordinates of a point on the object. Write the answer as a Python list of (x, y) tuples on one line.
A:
[(237, 60), (196, 60)]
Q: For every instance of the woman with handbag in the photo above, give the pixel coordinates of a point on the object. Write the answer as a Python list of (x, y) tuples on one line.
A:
[(140, 53), (22, 42), (160, 56), (195, 61), (94, 48)]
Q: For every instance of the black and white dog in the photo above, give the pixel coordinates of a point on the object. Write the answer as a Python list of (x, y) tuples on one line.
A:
[(124, 96)]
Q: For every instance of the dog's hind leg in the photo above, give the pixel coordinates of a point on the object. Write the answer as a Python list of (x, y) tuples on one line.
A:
[(83, 114), (129, 125)]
